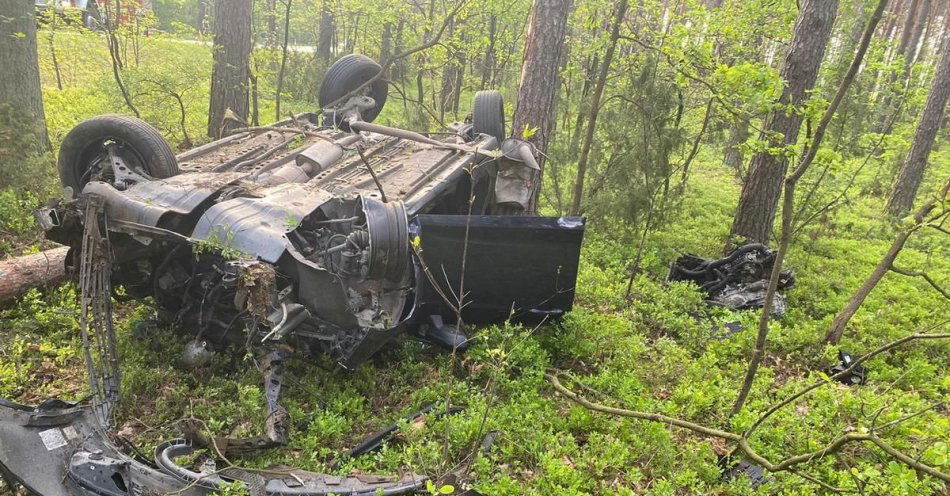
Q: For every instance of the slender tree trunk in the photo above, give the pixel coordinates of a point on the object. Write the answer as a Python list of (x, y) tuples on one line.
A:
[(270, 18), (912, 172), (920, 24), (283, 61), (734, 158), (543, 49), (325, 40), (844, 316), (592, 65), (386, 46), (202, 15), (595, 108), (755, 214), (923, 14), (20, 80), (230, 71), (52, 51), (488, 64)]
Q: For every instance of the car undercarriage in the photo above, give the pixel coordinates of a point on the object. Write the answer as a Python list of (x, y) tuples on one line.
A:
[(323, 235)]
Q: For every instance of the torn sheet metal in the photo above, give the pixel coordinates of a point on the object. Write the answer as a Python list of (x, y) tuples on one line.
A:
[(738, 281)]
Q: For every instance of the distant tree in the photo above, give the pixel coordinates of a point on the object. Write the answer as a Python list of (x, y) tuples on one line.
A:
[(912, 172), (543, 47), (582, 161), (325, 40), (202, 15), (231, 69), (761, 191), (21, 102)]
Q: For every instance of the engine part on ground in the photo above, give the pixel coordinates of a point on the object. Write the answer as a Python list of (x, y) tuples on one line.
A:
[(856, 377), (276, 426), (755, 473), (375, 441), (196, 354), (517, 177), (738, 281), (488, 442), (437, 332), (69, 454)]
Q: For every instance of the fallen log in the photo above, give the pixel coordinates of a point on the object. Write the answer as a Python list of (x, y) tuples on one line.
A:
[(20, 274)]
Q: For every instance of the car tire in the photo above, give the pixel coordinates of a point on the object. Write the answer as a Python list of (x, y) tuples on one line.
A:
[(488, 114), (146, 148), (349, 72)]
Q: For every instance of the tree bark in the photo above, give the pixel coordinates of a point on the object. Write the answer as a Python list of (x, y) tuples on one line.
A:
[(20, 80), (923, 14), (231, 69), (734, 158), (844, 316), (755, 214), (386, 45), (21, 274), (543, 47), (270, 17), (325, 40), (912, 172), (595, 109)]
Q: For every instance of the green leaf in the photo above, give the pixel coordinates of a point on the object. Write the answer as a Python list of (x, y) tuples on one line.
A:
[(528, 132)]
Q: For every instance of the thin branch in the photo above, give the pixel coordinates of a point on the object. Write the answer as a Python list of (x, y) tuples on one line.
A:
[(912, 273), (743, 443), (889, 346)]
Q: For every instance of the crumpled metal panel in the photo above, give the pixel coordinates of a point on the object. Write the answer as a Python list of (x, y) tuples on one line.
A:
[(258, 226), (73, 456), (147, 202)]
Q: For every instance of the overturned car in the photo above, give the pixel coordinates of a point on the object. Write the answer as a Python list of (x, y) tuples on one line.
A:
[(323, 235)]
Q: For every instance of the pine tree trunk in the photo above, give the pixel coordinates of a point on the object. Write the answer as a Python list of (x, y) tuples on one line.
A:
[(544, 43), (923, 13), (20, 80), (488, 64), (231, 69), (23, 273), (760, 193), (912, 172)]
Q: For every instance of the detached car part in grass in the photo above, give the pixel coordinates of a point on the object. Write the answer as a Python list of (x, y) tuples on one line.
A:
[(324, 235)]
